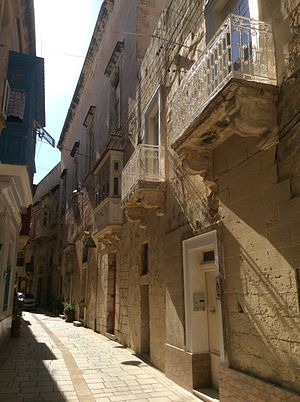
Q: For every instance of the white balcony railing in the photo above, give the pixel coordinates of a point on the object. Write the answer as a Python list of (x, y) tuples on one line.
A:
[(242, 48), (144, 165)]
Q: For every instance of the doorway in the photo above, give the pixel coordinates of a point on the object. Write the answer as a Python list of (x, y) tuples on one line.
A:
[(39, 291), (145, 322), (203, 315), (111, 294)]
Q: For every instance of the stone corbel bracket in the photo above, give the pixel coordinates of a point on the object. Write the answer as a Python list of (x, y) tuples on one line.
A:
[(243, 108), (109, 240), (145, 199)]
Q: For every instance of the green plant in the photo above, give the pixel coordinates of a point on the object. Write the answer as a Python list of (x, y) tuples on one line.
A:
[(69, 308)]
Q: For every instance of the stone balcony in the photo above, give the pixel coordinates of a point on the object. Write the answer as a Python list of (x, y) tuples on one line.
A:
[(107, 216), (143, 180), (230, 89), (40, 231)]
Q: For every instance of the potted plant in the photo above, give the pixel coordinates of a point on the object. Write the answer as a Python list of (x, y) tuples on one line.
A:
[(69, 311), (16, 317)]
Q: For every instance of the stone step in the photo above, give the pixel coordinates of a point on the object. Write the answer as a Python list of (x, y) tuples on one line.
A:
[(207, 394)]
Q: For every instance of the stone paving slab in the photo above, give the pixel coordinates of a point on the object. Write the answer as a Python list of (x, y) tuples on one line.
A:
[(55, 361)]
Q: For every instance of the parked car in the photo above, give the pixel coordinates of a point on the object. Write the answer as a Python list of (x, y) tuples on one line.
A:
[(29, 301)]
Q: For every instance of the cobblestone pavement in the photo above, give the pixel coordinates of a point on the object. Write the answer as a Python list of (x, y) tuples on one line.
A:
[(55, 361)]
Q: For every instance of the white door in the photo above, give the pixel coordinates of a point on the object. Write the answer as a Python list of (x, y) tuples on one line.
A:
[(213, 326)]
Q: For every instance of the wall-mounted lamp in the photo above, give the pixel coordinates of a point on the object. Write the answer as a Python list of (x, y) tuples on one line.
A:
[(89, 242)]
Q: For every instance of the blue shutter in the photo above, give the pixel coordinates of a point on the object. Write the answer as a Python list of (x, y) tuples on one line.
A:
[(18, 139)]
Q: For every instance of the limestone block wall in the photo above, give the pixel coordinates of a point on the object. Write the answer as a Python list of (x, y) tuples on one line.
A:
[(131, 303), (260, 257), (240, 387)]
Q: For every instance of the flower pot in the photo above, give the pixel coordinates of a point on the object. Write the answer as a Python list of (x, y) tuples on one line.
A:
[(69, 317)]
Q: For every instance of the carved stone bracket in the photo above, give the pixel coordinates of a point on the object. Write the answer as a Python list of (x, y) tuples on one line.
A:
[(254, 114), (108, 240), (134, 214), (242, 108), (145, 198)]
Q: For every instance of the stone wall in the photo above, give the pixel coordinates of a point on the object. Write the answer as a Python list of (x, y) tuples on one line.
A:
[(130, 287), (260, 256), (240, 387), (256, 192), (252, 197)]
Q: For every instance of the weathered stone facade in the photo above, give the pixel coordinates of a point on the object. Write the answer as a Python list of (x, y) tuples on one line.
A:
[(92, 143), (42, 265), (249, 192), (201, 269)]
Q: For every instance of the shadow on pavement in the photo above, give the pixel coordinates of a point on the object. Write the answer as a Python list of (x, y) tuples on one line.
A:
[(132, 363), (23, 375)]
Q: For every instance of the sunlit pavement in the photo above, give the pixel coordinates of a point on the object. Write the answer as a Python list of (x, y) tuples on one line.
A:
[(56, 361)]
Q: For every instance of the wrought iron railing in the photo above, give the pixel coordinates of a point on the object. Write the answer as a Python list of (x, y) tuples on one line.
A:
[(144, 165), (242, 48)]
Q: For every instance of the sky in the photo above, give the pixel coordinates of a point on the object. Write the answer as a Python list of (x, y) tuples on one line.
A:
[(63, 32)]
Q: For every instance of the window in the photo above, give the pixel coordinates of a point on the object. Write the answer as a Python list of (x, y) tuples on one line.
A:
[(145, 259), (45, 218), (113, 71), (216, 12), (75, 149), (19, 35), (116, 186), (16, 105), (88, 153), (115, 105), (152, 121), (85, 252), (208, 256), (116, 178), (108, 177), (20, 259), (63, 177), (153, 163), (5, 99), (103, 184), (51, 259), (75, 173)]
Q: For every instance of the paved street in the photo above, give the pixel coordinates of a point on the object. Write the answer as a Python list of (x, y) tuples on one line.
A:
[(56, 361)]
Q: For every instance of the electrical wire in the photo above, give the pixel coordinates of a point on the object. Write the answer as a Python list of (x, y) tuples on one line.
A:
[(145, 83)]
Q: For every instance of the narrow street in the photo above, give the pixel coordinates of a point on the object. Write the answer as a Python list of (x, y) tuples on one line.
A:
[(55, 361)]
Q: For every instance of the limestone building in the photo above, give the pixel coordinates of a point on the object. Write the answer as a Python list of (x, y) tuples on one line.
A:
[(180, 191), (22, 110), (211, 192), (92, 143), (42, 257)]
